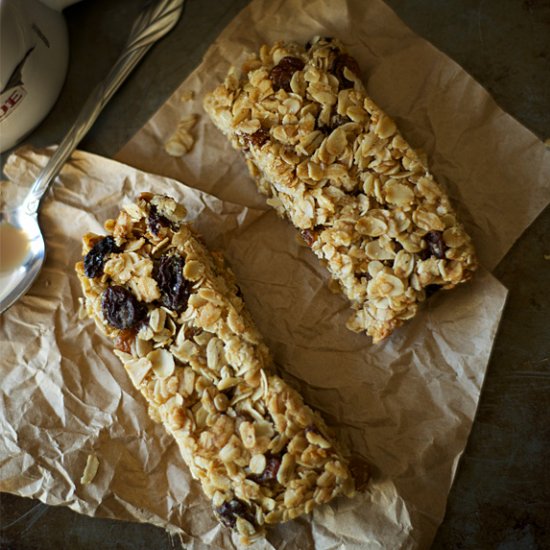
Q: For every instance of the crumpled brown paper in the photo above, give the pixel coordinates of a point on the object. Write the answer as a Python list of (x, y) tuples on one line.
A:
[(406, 405)]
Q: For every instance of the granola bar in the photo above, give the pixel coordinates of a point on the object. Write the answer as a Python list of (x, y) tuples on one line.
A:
[(334, 163), (189, 345)]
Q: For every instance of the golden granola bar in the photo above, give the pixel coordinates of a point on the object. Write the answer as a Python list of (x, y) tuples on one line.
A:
[(189, 345), (332, 162)]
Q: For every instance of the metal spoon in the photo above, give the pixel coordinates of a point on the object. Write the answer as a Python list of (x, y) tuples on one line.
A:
[(151, 25)]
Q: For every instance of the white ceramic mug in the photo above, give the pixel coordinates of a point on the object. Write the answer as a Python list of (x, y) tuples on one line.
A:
[(33, 63)]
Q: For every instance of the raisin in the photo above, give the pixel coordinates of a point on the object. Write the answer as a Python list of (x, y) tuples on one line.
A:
[(258, 138), (281, 74), (273, 463), (156, 220), (121, 308), (95, 259), (230, 510), (174, 288), (424, 254), (435, 246), (345, 61), (124, 340), (310, 235)]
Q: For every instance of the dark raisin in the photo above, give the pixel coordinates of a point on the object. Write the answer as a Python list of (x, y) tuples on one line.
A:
[(121, 308), (156, 220), (435, 246), (258, 138), (310, 235), (273, 463), (430, 290), (144, 323), (95, 259), (424, 254), (345, 61), (124, 340), (281, 74), (230, 510), (174, 288)]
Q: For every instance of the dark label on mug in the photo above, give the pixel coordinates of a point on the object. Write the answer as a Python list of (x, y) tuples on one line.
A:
[(11, 100)]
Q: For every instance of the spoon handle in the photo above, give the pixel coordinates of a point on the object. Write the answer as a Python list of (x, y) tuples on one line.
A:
[(151, 25)]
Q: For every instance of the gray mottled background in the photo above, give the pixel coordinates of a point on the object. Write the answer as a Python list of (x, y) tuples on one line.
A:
[(501, 496)]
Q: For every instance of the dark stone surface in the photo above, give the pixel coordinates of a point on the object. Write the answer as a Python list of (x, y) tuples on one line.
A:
[(501, 495)]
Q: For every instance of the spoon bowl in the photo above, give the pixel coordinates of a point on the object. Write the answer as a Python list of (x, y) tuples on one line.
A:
[(15, 282), (151, 25)]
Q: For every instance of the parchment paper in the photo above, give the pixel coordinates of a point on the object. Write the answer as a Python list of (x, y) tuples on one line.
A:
[(406, 405)]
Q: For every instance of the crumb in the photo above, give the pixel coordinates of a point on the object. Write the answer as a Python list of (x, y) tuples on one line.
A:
[(187, 95), (181, 141), (81, 309), (90, 470)]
